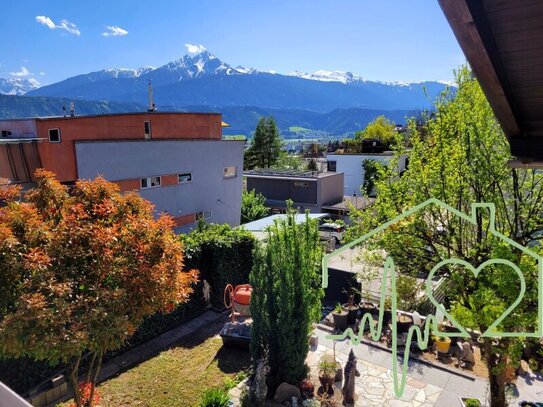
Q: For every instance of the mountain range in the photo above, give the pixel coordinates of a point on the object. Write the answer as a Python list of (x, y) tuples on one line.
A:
[(204, 82)]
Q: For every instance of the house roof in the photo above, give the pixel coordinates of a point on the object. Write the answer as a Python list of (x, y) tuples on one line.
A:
[(262, 224), (503, 42)]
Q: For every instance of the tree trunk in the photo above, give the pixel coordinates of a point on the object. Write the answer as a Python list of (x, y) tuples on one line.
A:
[(495, 375), (97, 357), (497, 390), (73, 379)]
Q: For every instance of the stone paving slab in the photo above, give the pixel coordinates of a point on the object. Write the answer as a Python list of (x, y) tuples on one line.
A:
[(426, 385)]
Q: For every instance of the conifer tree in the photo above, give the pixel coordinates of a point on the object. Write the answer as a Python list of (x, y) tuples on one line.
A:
[(266, 145), (286, 298)]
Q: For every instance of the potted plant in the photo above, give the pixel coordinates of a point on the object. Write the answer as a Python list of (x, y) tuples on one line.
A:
[(404, 321), (443, 344), (341, 317), (327, 373), (306, 388), (351, 308), (470, 402), (367, 308), (387, 313)]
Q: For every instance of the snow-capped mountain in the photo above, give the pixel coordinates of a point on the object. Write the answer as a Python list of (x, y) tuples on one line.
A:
[(202, 79), (17, 86), (329, 76)]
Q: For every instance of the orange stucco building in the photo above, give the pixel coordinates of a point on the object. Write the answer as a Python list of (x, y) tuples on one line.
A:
[(176, 160)]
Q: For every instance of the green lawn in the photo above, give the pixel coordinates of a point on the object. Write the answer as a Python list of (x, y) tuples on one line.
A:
[(178, 376)]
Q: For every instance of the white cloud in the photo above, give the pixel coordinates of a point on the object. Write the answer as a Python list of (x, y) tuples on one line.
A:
[(23, 73), (63, 25), (114, 31), (43, 73), (194, 49), (46, 21)]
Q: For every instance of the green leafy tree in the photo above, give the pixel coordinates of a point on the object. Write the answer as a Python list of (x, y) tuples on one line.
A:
[(266, 145), (286, 297), (253, 206), (287, 161), (381, 129), (459, 155), (81, 271), (371, 172)]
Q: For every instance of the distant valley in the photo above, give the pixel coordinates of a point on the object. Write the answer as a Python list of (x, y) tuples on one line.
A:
[(325, 102)]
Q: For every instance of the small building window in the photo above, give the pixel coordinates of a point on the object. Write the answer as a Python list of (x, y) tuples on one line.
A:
[(147, 129), (331, 166), (6, 133), (204, 215), (150, 182), (184, 178), (230, 172), (54, 135)]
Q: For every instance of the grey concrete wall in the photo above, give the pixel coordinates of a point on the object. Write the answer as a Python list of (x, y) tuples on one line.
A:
[(281, 189), (205, 159), (19, 128), (332, 189)]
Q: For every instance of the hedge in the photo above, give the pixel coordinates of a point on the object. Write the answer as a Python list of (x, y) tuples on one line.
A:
[(222, 255)]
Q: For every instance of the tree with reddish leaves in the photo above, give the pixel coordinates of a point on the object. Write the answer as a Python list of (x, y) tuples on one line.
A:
[(80, 270)]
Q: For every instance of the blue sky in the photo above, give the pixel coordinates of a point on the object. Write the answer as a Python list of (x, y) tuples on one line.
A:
[(389, 40)]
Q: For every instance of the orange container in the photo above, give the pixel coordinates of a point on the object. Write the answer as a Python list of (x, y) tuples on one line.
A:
[(242, 294)]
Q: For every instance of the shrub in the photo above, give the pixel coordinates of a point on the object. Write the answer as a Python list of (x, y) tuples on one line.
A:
[(472, 403), (286, 298), (215, 397), (223, 255)]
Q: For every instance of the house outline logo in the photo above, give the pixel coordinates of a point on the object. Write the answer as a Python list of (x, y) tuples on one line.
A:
[(423, 337)]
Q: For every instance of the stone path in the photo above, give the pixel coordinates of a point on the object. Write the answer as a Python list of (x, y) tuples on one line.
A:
[(426, 385)]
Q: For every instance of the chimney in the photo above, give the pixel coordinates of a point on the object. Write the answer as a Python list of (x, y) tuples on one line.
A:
[(72, 109), (151, 107)]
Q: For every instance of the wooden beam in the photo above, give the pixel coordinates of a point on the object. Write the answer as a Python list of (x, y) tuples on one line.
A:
[(468, 22)]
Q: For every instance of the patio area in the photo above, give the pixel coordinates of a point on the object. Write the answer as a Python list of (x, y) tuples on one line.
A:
[(426, 385)]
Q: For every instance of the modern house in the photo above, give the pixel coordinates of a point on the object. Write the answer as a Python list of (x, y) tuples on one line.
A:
[(309, 190), (175, 160), (351, 166)]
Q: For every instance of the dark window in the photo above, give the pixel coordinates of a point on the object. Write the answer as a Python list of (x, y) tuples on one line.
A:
[(147, 129), (151, 182), (6, 133), (184, 178), (54, 135), (204, 215), (331, 166), (230, 172)]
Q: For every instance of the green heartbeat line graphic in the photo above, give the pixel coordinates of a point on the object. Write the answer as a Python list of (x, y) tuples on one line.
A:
[(423, 337)]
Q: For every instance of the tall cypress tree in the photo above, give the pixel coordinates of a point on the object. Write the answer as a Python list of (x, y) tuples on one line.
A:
[(286, 298), (266, 145)]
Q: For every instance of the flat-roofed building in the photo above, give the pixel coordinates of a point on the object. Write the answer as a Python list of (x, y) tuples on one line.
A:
[(307, 189), (178, 161)]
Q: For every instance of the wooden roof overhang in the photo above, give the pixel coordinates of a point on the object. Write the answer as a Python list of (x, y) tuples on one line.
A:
[(503, 42)]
